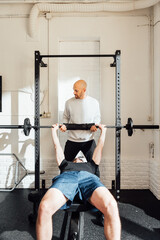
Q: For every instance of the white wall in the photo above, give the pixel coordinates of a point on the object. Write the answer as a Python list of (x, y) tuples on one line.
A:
[(129, 32)]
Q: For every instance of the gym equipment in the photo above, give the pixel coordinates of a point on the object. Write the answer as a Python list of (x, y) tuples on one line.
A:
[(35, 197), (129, 126), (84, 126), (26, 126), (39, 63), (74, 220), (17, 178)]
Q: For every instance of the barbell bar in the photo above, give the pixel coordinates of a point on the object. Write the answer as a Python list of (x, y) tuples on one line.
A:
[(85, 126)]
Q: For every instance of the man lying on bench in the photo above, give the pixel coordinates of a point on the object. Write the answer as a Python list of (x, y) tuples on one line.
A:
[(78, 177)]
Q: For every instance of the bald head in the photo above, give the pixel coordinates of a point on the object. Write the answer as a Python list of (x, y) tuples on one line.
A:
[(81, 84), (79, 88)]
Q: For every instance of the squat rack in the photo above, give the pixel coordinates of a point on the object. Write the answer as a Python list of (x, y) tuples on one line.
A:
[(116, 63)]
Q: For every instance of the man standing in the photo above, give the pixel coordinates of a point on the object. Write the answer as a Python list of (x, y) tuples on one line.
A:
[(80, 109)]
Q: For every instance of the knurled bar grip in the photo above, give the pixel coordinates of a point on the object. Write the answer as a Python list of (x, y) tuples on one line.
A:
[(83, 126)]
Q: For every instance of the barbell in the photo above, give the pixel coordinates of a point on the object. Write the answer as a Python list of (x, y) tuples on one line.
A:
[(84, 126)]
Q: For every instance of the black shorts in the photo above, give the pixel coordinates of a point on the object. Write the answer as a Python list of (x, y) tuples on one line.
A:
[(73, 148)]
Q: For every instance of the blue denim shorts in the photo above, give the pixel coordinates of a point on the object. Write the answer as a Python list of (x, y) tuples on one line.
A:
[(72, 183)]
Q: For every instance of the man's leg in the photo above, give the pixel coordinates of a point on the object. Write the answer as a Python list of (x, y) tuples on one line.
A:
[(88, 149), (105, 202), (71, 149), (51, 202)]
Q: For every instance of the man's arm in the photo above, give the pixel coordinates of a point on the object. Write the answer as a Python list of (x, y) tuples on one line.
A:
[(97, 155), (65, 118), (58, 148)]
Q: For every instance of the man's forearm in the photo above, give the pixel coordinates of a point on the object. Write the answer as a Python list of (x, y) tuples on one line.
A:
[(102, 139), (55, 138), (100, 143), (58, 148), (97, 155)]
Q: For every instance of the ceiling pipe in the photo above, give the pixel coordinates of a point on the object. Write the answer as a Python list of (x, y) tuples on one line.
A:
[(84, 8)]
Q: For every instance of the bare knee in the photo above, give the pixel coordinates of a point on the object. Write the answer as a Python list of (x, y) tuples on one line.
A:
[(110, 208), (44, 211)]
